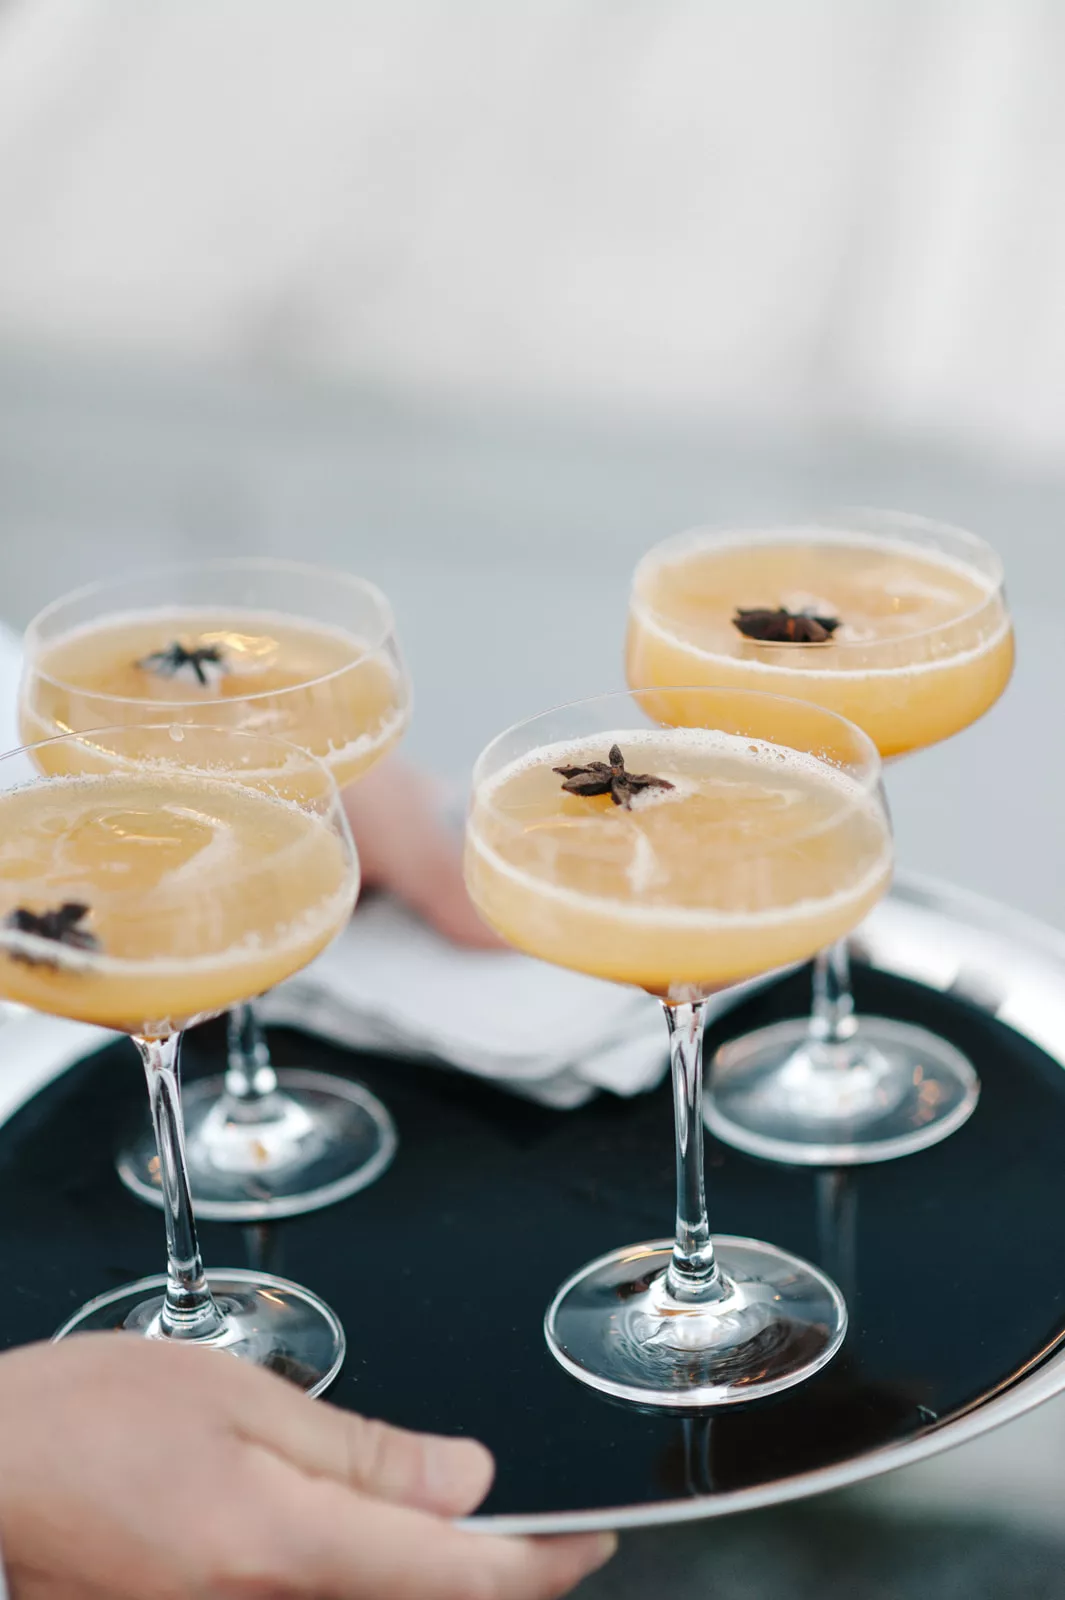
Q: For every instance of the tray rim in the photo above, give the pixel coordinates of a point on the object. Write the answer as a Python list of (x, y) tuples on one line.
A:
[(1039, 1380)]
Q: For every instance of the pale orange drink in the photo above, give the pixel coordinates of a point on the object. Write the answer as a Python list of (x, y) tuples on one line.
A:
[(921, 644), (326, 689), (754, 857), (195, 892)]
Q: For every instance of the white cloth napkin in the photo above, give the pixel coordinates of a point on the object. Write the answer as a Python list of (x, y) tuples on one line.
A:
[(389, 983), (34, 1049)]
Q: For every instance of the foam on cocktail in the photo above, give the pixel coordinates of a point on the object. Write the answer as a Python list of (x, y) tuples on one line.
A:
[(756, 855)]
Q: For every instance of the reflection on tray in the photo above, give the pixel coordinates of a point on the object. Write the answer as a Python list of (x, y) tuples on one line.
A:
[(844, 1415)]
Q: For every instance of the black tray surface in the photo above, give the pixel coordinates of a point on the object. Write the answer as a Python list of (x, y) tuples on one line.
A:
[(952, 1260)]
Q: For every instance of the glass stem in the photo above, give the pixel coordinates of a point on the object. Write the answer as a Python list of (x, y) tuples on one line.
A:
[(250, 1078), (832, 1020), (189, 1310), (692, 1275)]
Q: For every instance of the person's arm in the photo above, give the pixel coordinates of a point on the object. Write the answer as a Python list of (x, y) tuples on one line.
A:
[(138, 1470)]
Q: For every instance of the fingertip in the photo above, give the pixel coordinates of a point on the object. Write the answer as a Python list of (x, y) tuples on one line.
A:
[(606, 1547), (595, 1549), (547, 1567), (460, 922), (576, 1556), (458, 1473), (480, 935)]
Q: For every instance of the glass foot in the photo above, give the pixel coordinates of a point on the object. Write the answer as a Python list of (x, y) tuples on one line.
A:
[(316, 1140), (889, 1090), (268, 1321), (615, 1326)]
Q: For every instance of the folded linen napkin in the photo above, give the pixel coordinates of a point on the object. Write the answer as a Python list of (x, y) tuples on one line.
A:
[(390, 983), (34, 1049)]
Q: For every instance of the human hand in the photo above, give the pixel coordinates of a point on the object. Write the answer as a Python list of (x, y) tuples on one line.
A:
[(135, 1470), (405, 847)]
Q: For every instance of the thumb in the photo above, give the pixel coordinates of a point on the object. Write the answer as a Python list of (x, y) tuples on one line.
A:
[(447, 1476)]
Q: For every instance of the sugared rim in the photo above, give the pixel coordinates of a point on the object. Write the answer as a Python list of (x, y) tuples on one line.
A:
[(217, 564), (832, 528)]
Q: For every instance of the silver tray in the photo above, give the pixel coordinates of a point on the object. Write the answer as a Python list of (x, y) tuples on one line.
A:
[(958, 1316)]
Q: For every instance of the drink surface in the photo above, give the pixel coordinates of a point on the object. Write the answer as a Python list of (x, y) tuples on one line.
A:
[(199, 893), (757, 857), (923, 646), (318, 686)]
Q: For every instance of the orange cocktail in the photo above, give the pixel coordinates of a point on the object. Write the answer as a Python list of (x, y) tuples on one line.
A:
[(195, 892), (326, 689), (921, 643), (681, 860), (665, 893), (901, 625), (150, 892)]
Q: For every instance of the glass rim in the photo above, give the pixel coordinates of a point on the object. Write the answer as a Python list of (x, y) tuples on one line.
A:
[(166, 726), (871, 768), (827, 524), (87, 591)]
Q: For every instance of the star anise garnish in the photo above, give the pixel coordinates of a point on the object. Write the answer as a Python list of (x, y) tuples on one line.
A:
[(175, 660), (62, 925), (781, 626), (609, 777)]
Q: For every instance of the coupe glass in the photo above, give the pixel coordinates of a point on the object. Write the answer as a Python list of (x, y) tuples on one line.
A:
[(151, 876), (922, 646), (304, 654), (768, 838)]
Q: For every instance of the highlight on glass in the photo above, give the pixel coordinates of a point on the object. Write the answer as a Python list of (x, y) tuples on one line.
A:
[(272, 647), (901, 625), (150, 877), (683, 860)]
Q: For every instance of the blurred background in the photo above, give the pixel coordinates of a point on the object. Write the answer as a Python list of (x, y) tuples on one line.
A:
[(482, 300)]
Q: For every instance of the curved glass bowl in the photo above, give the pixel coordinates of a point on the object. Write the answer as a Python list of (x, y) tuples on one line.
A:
[(923, 647), (277, 647), (150, 877), (750, 837)]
